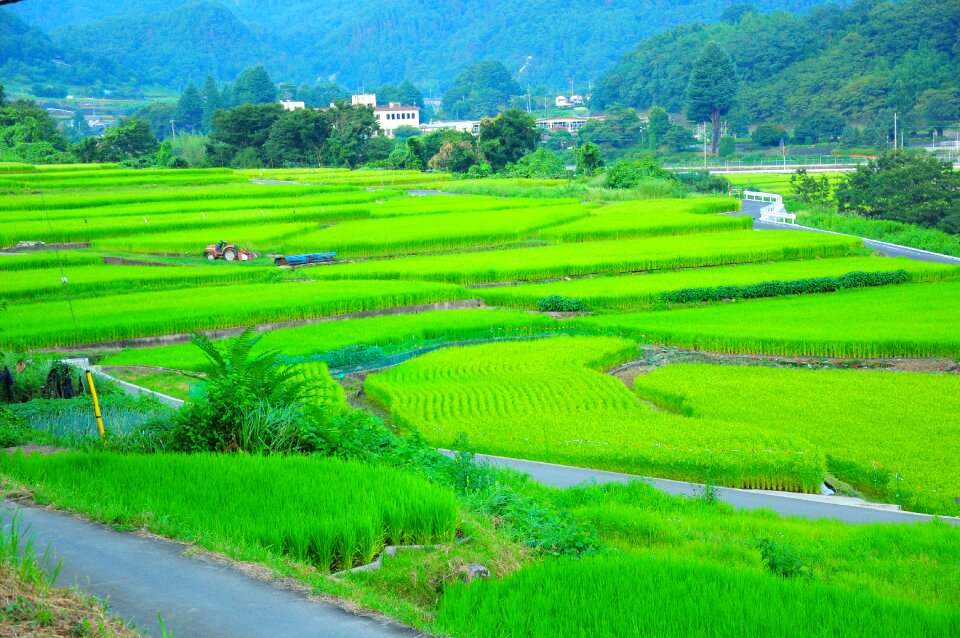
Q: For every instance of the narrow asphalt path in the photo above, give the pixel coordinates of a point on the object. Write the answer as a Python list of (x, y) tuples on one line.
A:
[(196, 597), (752, 208), (783, 503)]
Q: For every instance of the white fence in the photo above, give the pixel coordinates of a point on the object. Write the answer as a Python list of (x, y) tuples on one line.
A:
[(774, 211)]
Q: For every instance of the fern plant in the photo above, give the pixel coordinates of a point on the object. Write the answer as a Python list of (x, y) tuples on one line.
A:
[(238, 387)]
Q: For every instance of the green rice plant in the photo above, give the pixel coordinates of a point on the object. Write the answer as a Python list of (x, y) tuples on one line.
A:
[(361, 178), (909, 563), (44, 259), (172, 179), (196, 203), (644, 218), (204, 308), (69, 168), (434, 204), (433, 232), (259, 237), (548, 400), (650, 289), (9, 168), (882, 432), (84, 281), (674, 597), (395, 333), (914, 320), (773, 182), (133, 226), (653, 253), (312, 510), (171, 195)]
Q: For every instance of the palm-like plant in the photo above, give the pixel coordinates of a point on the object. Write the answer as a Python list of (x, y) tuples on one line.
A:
[(238, 384)]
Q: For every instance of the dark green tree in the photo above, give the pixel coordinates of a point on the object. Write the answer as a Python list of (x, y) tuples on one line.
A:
[(244, 127), (728, 146), (434, 141), (769, 134), (80, 127), (629, 173), (619, 130), (939, 108), (351, 128), (212, 102), (297, 139), (456, 157), (132, 139), (481, 89), (906, 187), (712, 89), (658, 124), (158, 116), (254, 86), (588, 159), (508, 137), (540, 164), (3, 95), (189, 112), (809, 188), (819, 126)]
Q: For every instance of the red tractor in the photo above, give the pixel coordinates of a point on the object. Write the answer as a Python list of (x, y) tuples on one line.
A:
[(230, 252)]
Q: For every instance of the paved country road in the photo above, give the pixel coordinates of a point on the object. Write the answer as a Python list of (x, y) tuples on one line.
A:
[(752, 208), (785, 504), (196, 597)]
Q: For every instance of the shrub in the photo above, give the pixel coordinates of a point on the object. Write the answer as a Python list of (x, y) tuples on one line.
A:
[(556, 303), (796, 287), (234, 409), (781, 560), (629, 173)]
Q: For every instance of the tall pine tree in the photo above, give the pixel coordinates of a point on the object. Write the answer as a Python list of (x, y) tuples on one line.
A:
[(211, 102), (254, 86), (712, 88), (189, 111)]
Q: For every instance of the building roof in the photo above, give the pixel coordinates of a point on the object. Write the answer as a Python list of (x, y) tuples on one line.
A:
[(394, 106)]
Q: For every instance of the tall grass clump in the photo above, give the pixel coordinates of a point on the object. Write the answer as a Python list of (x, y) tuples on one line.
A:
[(327, 512)]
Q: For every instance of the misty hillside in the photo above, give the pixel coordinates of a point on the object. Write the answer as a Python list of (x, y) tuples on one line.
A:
[(550, 42)]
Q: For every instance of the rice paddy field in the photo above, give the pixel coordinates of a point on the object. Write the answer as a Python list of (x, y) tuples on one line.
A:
[(451, 344)]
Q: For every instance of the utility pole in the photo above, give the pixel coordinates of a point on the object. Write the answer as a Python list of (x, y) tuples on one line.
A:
[(704, 145), (894, 130)]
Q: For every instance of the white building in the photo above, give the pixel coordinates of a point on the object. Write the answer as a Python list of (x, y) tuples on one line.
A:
[(571, 124), (464, 126), (562, 102), (364, 99), (291, 105), (396, 115)]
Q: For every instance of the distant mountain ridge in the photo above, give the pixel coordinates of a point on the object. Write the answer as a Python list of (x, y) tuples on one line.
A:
[(873, 56), (557, 43)]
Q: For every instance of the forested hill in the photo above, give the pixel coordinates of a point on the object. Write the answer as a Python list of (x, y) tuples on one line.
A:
[(551, 42), (27, 52), (170, 47), (856, 62)]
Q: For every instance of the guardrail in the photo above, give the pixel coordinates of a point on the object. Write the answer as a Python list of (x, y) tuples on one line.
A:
[(773, 162), (774, 211)]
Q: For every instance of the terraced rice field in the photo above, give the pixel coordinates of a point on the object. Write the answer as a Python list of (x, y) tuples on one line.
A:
[(53, 323), (561, 260), (847, 413), (917, 320), (649, 289), (397, 333), (549, 400)]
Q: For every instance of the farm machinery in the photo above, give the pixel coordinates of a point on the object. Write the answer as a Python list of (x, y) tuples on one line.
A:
[(230, 252), (308, 259)]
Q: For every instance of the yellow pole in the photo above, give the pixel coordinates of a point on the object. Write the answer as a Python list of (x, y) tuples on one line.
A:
[(96, 403)]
